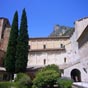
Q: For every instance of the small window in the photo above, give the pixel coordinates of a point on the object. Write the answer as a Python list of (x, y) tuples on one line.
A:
[(85, 70), (64, 60), (29, 47), (44, 46), (44, 61), (0, 22), (3, 30), (62, 46)]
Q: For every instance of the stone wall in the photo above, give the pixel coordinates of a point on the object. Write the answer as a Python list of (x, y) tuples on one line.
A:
[(46, 58), (79, 42), (2, 54), (44, 51), (80, 25), (49, 43), (4, 37), (4, 42)]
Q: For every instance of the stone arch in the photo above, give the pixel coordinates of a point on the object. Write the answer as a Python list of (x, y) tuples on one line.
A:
[(76, 75)]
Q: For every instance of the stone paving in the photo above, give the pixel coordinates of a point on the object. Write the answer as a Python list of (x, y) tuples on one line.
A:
[(80, 85)]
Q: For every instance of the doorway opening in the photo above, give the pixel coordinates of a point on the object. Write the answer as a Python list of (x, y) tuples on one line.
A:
[(76, 75)]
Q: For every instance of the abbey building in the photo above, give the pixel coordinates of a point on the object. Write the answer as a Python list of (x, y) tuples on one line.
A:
[(70, 53)]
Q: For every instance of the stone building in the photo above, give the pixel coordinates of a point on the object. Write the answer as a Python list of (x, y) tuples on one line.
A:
[(69, 53), (4, 37), (79, 70), (44, 51)]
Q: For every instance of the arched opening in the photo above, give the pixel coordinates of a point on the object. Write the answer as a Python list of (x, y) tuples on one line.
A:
[(76, 75)]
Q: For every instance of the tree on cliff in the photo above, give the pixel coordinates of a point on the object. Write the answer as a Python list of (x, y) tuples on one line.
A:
[(22, 45), (11, 49)]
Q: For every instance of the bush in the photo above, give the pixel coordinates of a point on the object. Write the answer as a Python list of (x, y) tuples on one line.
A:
[(64, 82), (46, 77), (7, 85), (51, 67), (23, 80)]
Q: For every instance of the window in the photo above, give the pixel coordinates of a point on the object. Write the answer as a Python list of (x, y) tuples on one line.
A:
[(3, 30), (44, 61), (44, 46), (64, 60), (29, 47), (62, 46), (85, 70), (0, 22)]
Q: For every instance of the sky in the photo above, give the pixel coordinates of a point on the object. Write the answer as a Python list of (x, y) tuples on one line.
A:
[(43, 15)]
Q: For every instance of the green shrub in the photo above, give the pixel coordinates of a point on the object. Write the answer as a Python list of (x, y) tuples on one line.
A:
[(64, 82), (51, 67), (6, 84), (11, 85), (23, 80), (45, 78)]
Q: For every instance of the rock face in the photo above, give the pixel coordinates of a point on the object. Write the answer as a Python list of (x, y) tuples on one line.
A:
[(61, 31)]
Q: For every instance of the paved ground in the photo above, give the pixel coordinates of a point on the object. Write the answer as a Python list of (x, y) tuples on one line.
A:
[(80, 85)]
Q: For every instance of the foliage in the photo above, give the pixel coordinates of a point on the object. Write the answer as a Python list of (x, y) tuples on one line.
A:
[(69, 32), (6, 85), (64, 82), (46, 77), (51, 67), (22, 45), (11, 85), (23, 80), (11, 49)]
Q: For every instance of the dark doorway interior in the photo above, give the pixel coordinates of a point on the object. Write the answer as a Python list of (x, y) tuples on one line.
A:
[(76, 75)]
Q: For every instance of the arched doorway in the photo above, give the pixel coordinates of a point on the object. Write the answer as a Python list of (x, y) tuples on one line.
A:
[(76, 75)]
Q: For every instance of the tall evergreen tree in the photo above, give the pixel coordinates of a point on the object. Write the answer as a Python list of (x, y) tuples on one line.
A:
[(22, 46), (11, 49)]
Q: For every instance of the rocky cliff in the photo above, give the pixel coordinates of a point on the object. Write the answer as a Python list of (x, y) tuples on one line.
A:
[(62, 31)]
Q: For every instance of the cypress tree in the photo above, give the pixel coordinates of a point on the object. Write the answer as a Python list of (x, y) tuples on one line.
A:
[(22, 46), (11, 49)]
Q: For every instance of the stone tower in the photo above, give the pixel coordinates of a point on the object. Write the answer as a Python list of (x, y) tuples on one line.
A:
[(4, 37), (4, 33)]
